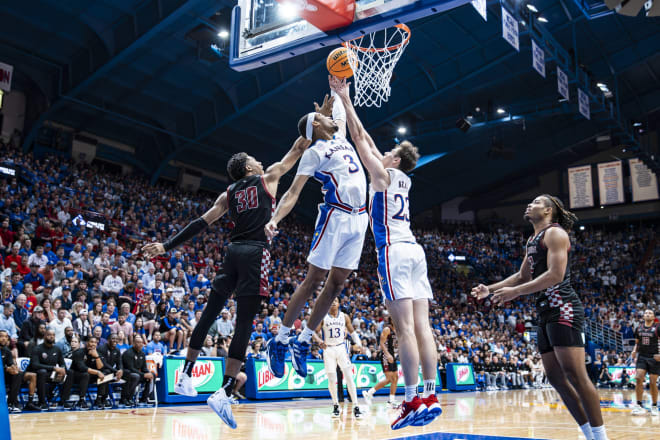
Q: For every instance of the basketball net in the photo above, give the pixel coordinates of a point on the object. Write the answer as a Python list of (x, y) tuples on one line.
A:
[(372, 58)]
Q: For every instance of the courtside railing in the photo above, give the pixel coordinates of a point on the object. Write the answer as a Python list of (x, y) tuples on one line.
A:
[(604, 336)]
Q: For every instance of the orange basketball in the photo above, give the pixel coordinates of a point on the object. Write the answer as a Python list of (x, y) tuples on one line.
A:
[(338, 64)]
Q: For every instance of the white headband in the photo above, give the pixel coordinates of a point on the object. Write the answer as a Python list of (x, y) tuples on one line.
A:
[(309, 130)]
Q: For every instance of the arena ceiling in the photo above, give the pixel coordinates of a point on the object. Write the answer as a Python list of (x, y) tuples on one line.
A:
[(142, 72)]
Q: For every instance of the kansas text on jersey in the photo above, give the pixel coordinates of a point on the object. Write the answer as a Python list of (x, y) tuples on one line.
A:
[(334, 329)]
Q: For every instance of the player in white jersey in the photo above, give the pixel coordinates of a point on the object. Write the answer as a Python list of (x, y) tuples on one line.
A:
[(335, 352), (401, 264), (340, 227)]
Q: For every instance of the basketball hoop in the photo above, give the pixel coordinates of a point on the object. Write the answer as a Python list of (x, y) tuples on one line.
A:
[(372, 58)]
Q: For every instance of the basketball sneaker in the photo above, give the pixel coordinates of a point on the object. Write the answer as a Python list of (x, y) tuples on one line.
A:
[(410, 411), (221, 404), (184, 385), (357, 413), (368, 397), (299, 351), (433, 410), (654, 411), (275, 354), (336, 411), (638, 410)]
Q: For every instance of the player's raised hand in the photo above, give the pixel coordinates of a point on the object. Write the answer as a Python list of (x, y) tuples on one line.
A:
[(480, 292), (326, 108), (339, 85), (271, 229), (152, 250)]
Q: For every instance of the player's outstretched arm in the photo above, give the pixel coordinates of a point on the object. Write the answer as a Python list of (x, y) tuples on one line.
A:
[(380, 179), (287, 202), (278, 169), (193, 228)]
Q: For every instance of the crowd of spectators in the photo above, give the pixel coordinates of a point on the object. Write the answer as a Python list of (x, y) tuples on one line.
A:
[(70, 239)]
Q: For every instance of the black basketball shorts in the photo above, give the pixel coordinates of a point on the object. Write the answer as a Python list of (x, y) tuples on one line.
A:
[(649, 364), (554, 334), (387, 367), (244, 270)]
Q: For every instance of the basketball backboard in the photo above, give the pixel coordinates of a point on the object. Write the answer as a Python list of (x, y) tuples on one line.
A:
[(265, 32)]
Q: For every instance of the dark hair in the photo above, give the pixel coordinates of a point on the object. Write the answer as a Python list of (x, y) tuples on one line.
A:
[(560, 215), (409, 156), (236, 166), (94, 337)]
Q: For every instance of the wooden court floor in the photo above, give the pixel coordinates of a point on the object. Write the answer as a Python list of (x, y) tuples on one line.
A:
[(524, 414)]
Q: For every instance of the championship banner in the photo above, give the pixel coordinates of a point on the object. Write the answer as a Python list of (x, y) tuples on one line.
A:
[(6, 72), (510, 29), (580, 189), (644, 181), (583, 104), (562, 83), (365, 375), (610, 183), (480, 6), (538, 58)]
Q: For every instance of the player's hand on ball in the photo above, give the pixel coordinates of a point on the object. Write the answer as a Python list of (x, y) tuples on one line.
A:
[(152, 250), (504, 295), (270, 229), (339, 85), (326, 108), (480, 292)]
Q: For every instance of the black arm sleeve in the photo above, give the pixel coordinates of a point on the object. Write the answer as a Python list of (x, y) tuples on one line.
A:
[(193, 228)]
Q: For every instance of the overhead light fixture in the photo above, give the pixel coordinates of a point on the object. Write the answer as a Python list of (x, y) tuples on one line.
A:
[(601, 85), (402, 130), (223, 34), (287, 10), (532, 8), (543, 19), (501, 111), (637, 124), (582, 228)]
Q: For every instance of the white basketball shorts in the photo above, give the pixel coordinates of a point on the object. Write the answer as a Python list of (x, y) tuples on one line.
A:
[(402, 272), (338, 238), (336, 355)]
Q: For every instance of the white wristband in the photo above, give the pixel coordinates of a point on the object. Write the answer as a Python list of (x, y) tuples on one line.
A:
[(338, 111)]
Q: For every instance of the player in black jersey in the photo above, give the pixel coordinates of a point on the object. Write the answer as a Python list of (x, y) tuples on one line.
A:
[(545, 271), (388, 362), (647, 349), (250, 202)]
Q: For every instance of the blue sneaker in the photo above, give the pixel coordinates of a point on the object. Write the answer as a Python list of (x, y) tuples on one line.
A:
[(275, 353), (299, 351)]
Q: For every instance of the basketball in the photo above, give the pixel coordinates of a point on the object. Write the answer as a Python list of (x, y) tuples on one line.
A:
[(338, 64)]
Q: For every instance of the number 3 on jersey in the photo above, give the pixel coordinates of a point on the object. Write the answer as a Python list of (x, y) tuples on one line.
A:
[(352, 166), (401, 214), (247, 199)]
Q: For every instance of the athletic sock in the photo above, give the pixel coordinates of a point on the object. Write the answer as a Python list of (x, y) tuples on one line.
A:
[(392, 397), (429, 388), (599, 432), (228, 383), (283, 334), (411, 392), (586, 430), (306, 335), (188, 367)]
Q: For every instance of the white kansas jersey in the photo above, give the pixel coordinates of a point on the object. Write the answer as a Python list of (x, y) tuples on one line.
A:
[(335, 164), (334, 329), (389, 212)]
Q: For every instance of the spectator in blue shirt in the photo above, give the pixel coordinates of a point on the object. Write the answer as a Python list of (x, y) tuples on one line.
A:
[(75, 273), (155, 346), (259, 333), (21, 314), (48, 252), (35, 278), (106, 331)]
